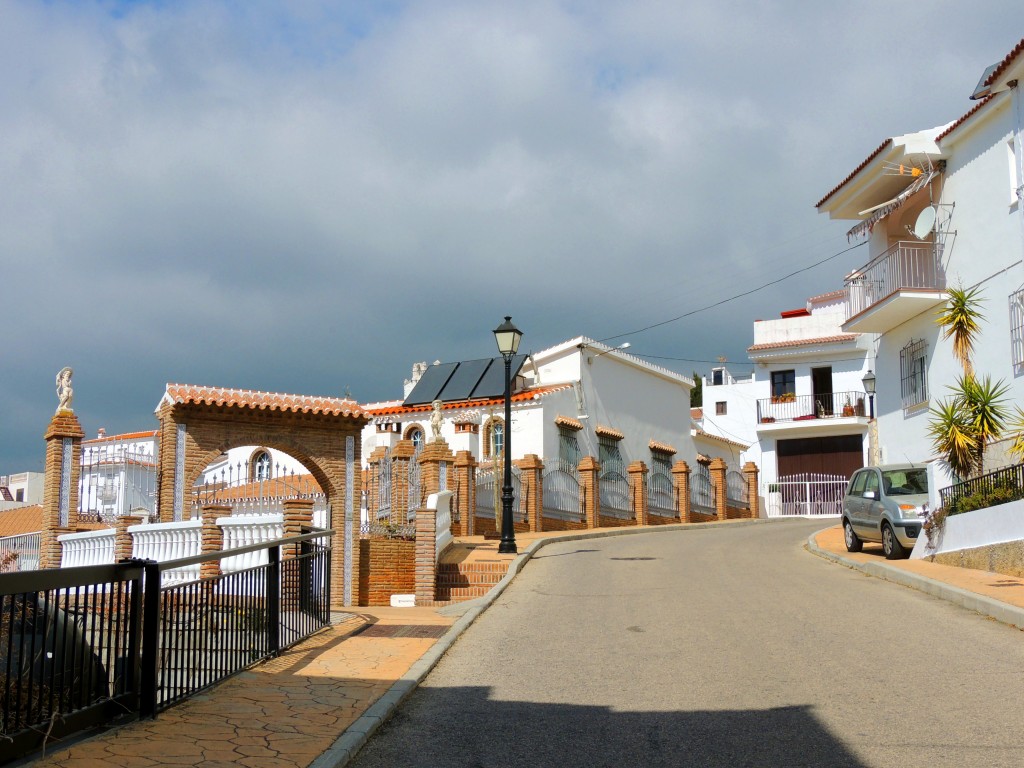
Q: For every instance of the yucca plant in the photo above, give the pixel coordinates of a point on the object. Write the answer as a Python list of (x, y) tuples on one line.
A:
[(961, 320), (953, 437), (963, 425)]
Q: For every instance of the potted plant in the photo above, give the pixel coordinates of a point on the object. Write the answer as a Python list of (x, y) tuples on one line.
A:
[(847, 407)]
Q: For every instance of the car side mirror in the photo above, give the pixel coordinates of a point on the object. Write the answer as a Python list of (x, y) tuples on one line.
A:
[(870, 495)]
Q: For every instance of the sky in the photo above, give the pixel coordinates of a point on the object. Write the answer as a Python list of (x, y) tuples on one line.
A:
[(308, 197)]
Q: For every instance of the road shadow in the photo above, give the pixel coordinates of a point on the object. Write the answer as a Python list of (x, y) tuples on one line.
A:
[(464, 727)]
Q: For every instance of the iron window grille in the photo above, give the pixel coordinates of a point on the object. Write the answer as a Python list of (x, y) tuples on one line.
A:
[(1017, 329), (913, 373), (568, 447)]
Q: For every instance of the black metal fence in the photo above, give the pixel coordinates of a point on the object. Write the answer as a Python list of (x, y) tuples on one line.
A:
[(1003, 485), (80, 647)]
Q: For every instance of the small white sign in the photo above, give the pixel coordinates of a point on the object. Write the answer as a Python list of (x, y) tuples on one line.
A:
[(403, 601)]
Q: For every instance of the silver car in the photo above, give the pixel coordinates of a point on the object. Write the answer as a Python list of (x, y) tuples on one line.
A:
[(886, 504)]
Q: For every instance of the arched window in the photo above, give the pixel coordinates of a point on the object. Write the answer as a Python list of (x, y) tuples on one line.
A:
[(415, 434), (494, 438), (259, 466)]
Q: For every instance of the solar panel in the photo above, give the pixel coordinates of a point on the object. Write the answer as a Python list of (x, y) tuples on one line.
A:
[(465, 379), (493, 382), (431, 383)]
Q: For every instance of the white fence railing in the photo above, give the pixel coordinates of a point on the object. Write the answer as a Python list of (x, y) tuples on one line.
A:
[(19, 553), (806, 495), (169, 541), (87, 548), (244, 530)]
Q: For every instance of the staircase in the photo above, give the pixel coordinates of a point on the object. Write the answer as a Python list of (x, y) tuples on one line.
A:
[(468, 579)]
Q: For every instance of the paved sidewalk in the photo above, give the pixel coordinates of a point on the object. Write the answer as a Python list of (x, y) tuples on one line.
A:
[(317, 704)]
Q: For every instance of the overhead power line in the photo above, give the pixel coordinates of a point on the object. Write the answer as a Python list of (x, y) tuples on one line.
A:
[(733, 298)]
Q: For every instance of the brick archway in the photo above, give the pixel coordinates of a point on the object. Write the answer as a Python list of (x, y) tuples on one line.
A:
[(198, 424)]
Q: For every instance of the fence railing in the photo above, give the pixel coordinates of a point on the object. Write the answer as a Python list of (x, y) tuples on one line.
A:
[(114, 481), (19, 553), (1006, 482), (661, 495), (562, 495), (737, 492), (829, 405), (82, 647), (905, 265), (702, 493), (806, 495)]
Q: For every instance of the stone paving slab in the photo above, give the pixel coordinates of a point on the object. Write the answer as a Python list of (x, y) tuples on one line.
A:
[(283, 713)]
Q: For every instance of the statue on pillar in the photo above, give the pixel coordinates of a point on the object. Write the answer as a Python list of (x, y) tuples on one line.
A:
[(435, 421), (64, 392)]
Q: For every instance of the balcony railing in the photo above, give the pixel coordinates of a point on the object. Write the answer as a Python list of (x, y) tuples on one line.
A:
[(905, 266), (830, 405)]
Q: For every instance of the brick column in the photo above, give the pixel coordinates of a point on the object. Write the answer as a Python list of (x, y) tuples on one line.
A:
[(464, 486), (298, 514), (750, 472), (717, 469), (426, 551), (637, 471), (400, 458), (212, 538), (531, 470), (123, 544), (433, 457), (60, 484), (681, 474), (589, 469)]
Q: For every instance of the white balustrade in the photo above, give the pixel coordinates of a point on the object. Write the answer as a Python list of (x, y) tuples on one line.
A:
[(169, 541), (87, 548), (442, 504), (246, 530)]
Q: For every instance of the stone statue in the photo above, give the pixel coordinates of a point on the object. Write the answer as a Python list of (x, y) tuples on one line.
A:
[(64, 392), (435, 421)]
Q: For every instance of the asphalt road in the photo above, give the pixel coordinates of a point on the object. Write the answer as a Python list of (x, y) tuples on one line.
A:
[(728, 646)]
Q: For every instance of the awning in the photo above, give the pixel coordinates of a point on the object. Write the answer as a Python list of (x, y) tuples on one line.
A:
[(879, 212)]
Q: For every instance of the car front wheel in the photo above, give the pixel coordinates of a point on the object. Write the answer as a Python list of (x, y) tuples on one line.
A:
[(891, 546), (853, 542)]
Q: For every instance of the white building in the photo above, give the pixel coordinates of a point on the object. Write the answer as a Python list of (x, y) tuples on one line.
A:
[(575, 399), (21, 489), (939, 208), (118, 475), (803, 411)]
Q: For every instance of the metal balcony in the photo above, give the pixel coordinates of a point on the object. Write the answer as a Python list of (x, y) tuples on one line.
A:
[(901, 283), (800, 408)]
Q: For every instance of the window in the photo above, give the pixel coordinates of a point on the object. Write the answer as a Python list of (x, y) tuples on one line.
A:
[(259, 468), (608, 452), (717, 376), (1017, 329), (19, 495), (721, 408), (783, 383), (494, 438), (913, 373), (415, 434), (661, 462), (568, 447)]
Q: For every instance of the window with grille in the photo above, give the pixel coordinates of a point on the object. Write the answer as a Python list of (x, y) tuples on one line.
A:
[(494, 438), (661, 462), (721, 408), (608, 451), (913, 373), (568, 446), (1017, 329)]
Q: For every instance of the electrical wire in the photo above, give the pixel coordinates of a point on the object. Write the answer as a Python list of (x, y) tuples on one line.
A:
[(733, 298)]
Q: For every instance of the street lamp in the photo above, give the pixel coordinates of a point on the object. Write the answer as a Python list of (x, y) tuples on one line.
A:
[(869, 387), (507, 336)]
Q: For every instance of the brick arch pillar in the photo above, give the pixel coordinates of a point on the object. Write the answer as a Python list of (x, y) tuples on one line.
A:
[(717, 469), (750, 472)]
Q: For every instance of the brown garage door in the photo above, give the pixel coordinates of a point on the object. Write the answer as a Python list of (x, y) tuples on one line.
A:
[(821, 455)]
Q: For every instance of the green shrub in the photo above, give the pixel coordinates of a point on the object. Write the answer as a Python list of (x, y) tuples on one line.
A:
[(1002, 492)]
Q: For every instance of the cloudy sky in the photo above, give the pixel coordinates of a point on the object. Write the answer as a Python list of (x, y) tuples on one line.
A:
[(308, 197)]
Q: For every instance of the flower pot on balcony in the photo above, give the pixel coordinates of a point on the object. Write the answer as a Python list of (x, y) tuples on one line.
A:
[(847, 410)]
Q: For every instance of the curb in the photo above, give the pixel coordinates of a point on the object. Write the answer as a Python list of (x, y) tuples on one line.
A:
[(356, 735), (986, 606)]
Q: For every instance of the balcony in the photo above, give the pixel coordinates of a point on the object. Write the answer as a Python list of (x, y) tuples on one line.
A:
[(901, 283), (810, 410)]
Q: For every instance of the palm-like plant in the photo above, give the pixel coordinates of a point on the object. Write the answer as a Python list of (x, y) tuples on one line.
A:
[(963, 425), (961, 320)]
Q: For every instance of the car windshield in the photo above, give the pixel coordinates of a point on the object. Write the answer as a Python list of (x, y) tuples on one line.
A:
[(905, 482)]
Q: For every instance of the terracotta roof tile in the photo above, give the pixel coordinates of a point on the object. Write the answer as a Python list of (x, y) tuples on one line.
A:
[(840, 339), (263, 401), (568, 423), (720, 439), (605, 431), (14, 522), (519, 397), (657, 447), (1017, 50), (963, 119), (856, 170)]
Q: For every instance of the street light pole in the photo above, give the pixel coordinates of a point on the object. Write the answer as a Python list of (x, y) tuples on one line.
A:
[(507, 336), (869, 389)]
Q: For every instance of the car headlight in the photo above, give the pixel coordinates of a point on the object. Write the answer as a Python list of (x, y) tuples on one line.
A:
[(909, 510)]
